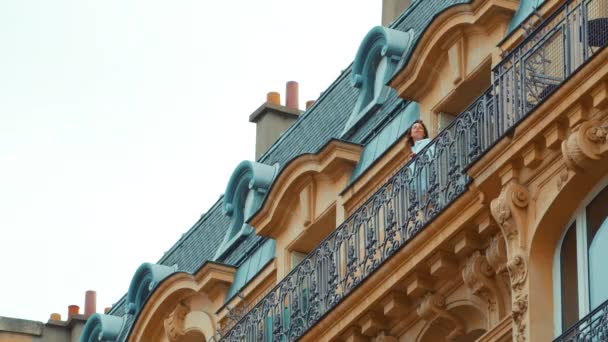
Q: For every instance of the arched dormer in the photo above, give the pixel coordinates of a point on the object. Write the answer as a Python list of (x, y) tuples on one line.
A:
[(451, 63), (244, 194), (374, 64), (146, 278), (182, 307), (102, 328)]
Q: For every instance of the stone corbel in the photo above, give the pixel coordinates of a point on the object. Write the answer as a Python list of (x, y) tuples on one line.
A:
[(183, 320), (585, 146), (509, 211), (496, 255), (432, 306), (174, 324), (478, 276)]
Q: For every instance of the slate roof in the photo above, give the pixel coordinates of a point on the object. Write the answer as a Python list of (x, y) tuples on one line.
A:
[(322, 122)]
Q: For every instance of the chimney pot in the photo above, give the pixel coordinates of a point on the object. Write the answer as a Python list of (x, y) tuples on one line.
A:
[(291, 97), (73, 310), (309, 103), (274, 98), (107, 310), (90, 303), (55, 317)]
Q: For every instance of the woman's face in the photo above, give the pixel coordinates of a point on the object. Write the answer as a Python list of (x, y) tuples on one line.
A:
[(417, 131)]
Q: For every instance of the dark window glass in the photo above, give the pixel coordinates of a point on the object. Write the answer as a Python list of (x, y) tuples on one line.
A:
[(597, 237), (569, 272)]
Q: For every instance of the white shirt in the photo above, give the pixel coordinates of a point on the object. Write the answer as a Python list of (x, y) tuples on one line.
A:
[(420, 144)]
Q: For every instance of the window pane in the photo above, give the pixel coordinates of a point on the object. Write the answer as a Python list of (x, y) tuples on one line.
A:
[(597, 230), (569, 275)]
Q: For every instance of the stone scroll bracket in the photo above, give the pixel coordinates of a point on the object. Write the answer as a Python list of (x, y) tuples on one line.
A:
[(510, 210)]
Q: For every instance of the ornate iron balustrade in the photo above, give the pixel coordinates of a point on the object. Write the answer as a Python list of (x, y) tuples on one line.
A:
[(429, 183), (592, 328)]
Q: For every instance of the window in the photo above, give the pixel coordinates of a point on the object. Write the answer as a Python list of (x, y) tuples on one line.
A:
[(580, 276)]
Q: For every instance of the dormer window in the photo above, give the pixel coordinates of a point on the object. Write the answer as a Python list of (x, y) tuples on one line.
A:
[(374, 64), (244, 195)]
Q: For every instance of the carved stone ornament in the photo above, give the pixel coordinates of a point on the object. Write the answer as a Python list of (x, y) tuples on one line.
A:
[(478, 276), (563, 178), (432, 308), (518, 270), (174, 324), (520, 307), (507, 209), (588, 144), (384, 337), (497, 254)]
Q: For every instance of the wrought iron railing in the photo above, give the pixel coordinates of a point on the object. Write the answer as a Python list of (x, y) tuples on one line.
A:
[(430, 182), (592, 328)]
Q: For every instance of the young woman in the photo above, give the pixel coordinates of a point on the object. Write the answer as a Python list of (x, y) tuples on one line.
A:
[(419, 137)]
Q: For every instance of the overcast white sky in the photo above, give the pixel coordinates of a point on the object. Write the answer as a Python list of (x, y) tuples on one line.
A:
[(122, 120)]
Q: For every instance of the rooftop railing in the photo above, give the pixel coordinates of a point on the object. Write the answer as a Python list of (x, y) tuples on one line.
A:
[(430, 182)]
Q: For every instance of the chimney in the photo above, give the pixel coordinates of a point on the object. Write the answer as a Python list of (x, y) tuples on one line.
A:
[(309, 103), (55, 317), (73, 310), (291, 95), (107, 310), (272, 119), (391, 9), (90, 303)]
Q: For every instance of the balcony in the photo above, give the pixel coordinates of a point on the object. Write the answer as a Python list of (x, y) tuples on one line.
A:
[(428, 184), (593, 327)]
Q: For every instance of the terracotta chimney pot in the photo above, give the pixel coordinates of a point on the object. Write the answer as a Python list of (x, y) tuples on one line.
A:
[(90, 303), (309, 103), (55, 317), (291, 97), (73, 310), (107, 310), (274, 98)]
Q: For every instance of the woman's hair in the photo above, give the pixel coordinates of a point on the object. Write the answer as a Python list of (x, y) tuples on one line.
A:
[(409, 131)]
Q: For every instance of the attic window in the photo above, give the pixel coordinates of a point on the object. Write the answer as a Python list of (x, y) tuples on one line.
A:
[(374, 64), (244, 195)]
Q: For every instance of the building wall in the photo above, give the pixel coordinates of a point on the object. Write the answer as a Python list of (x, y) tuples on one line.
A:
[(482, 269)]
